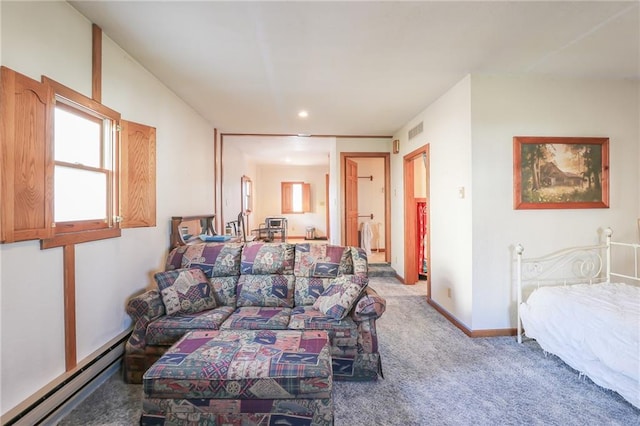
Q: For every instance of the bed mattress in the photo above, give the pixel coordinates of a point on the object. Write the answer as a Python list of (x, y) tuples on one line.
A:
[(594, 328)]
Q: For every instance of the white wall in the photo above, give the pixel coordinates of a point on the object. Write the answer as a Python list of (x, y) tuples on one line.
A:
[(235, 164), (447, 131), (470, 130), (503, 107), (268, 196), (51, 38)]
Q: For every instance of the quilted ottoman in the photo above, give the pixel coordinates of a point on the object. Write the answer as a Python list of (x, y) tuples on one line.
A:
[(241, 377)]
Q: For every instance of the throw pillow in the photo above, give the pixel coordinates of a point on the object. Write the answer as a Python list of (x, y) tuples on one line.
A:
[(185, 291), (338, 299)]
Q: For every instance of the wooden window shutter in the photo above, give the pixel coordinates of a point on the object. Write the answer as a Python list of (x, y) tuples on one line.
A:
[(306, 197), (286, 197), (137, 175), (26, 158)]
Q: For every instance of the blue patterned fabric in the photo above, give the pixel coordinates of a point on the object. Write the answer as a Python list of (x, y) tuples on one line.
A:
[(267, 258), (234, 364), (341, 332), (322, 260), (224, 290), (264, 277), (167, 329), (307, 289), (215, 259), (245, 412), (143, 309), (360, 261), (266, 290), (185, 291), (340, 297), (258, 318)]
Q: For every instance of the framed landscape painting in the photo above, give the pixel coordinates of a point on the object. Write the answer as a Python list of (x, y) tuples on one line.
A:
[(560, 173)]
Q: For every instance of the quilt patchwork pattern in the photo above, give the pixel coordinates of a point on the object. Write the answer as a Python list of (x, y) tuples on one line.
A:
[(185, 291), (267, 258), (369, 306), (258, 318), (174, 259), (238, 412), (308, 289), (266, 290), (363, 367), (341, 332), (247, 364), (215, 259), (339, 298), (167, 330), (360, 261), (224, 289), (322, 260), (142, 310)]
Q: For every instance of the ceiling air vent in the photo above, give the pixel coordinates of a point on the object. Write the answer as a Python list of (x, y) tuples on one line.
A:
[(415, 131)]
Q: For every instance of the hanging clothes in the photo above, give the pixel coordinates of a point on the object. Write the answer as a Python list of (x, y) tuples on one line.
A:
[(422, 237), (366, 235)]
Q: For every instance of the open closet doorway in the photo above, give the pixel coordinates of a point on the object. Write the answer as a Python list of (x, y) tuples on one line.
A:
[(366, 203), (417, 258)]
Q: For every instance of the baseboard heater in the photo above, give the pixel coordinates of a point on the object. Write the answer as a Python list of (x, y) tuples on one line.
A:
[(35, 409)]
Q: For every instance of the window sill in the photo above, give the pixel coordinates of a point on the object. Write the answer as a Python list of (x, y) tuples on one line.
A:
[(79, 237)]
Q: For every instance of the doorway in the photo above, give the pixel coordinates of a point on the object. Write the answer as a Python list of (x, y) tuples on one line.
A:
[(366, 203), (417, 251)]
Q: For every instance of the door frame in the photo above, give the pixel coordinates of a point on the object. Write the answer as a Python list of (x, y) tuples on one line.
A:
[(387, 196), (410, 261)]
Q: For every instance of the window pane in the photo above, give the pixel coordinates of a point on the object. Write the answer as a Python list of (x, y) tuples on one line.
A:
[(80, 194), (297, 197), (77, 138)]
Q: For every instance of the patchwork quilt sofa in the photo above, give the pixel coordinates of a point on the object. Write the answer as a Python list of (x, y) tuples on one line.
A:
[(261, 286)]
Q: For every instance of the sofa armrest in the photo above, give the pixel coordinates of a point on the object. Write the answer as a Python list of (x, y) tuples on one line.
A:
[(369, 306), (143, 309)]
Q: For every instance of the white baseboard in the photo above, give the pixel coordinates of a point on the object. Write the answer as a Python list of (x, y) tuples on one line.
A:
[(54, 401)]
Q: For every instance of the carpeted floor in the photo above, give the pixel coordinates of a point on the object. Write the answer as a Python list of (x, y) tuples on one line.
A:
[(434, 375)]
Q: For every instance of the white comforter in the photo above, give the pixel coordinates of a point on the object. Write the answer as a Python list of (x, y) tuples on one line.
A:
[(593, 328)]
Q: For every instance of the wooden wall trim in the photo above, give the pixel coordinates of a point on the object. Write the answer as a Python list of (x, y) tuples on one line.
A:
[(79, 237), (216, 225), (96, 63), (69, 256), (312, 136), (465, 329)]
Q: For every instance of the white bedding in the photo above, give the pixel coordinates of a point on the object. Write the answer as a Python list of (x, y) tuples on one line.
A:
[(594, 328)]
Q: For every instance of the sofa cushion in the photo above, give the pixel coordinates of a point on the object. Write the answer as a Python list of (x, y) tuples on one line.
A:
[(360, 263), (215, 259), (266, 290), (185, 291), (308, 289), (174, 259), (247, 365), (224, 290), (260, 258), (342, 332), (322, 260), (258, 318), (339, 298), (167, 330)]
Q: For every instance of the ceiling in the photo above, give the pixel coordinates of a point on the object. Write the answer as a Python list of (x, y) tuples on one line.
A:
[(358, 68)]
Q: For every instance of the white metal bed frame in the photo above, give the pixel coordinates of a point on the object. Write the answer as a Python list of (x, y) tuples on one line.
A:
[(573, 265)]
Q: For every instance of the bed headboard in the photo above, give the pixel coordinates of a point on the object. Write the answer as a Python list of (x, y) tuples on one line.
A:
[(573, 265)]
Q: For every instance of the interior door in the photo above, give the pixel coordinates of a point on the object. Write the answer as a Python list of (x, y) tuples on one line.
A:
[(351, 203)]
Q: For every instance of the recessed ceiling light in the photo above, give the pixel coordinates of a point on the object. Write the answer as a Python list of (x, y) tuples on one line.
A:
[(303, 114)]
